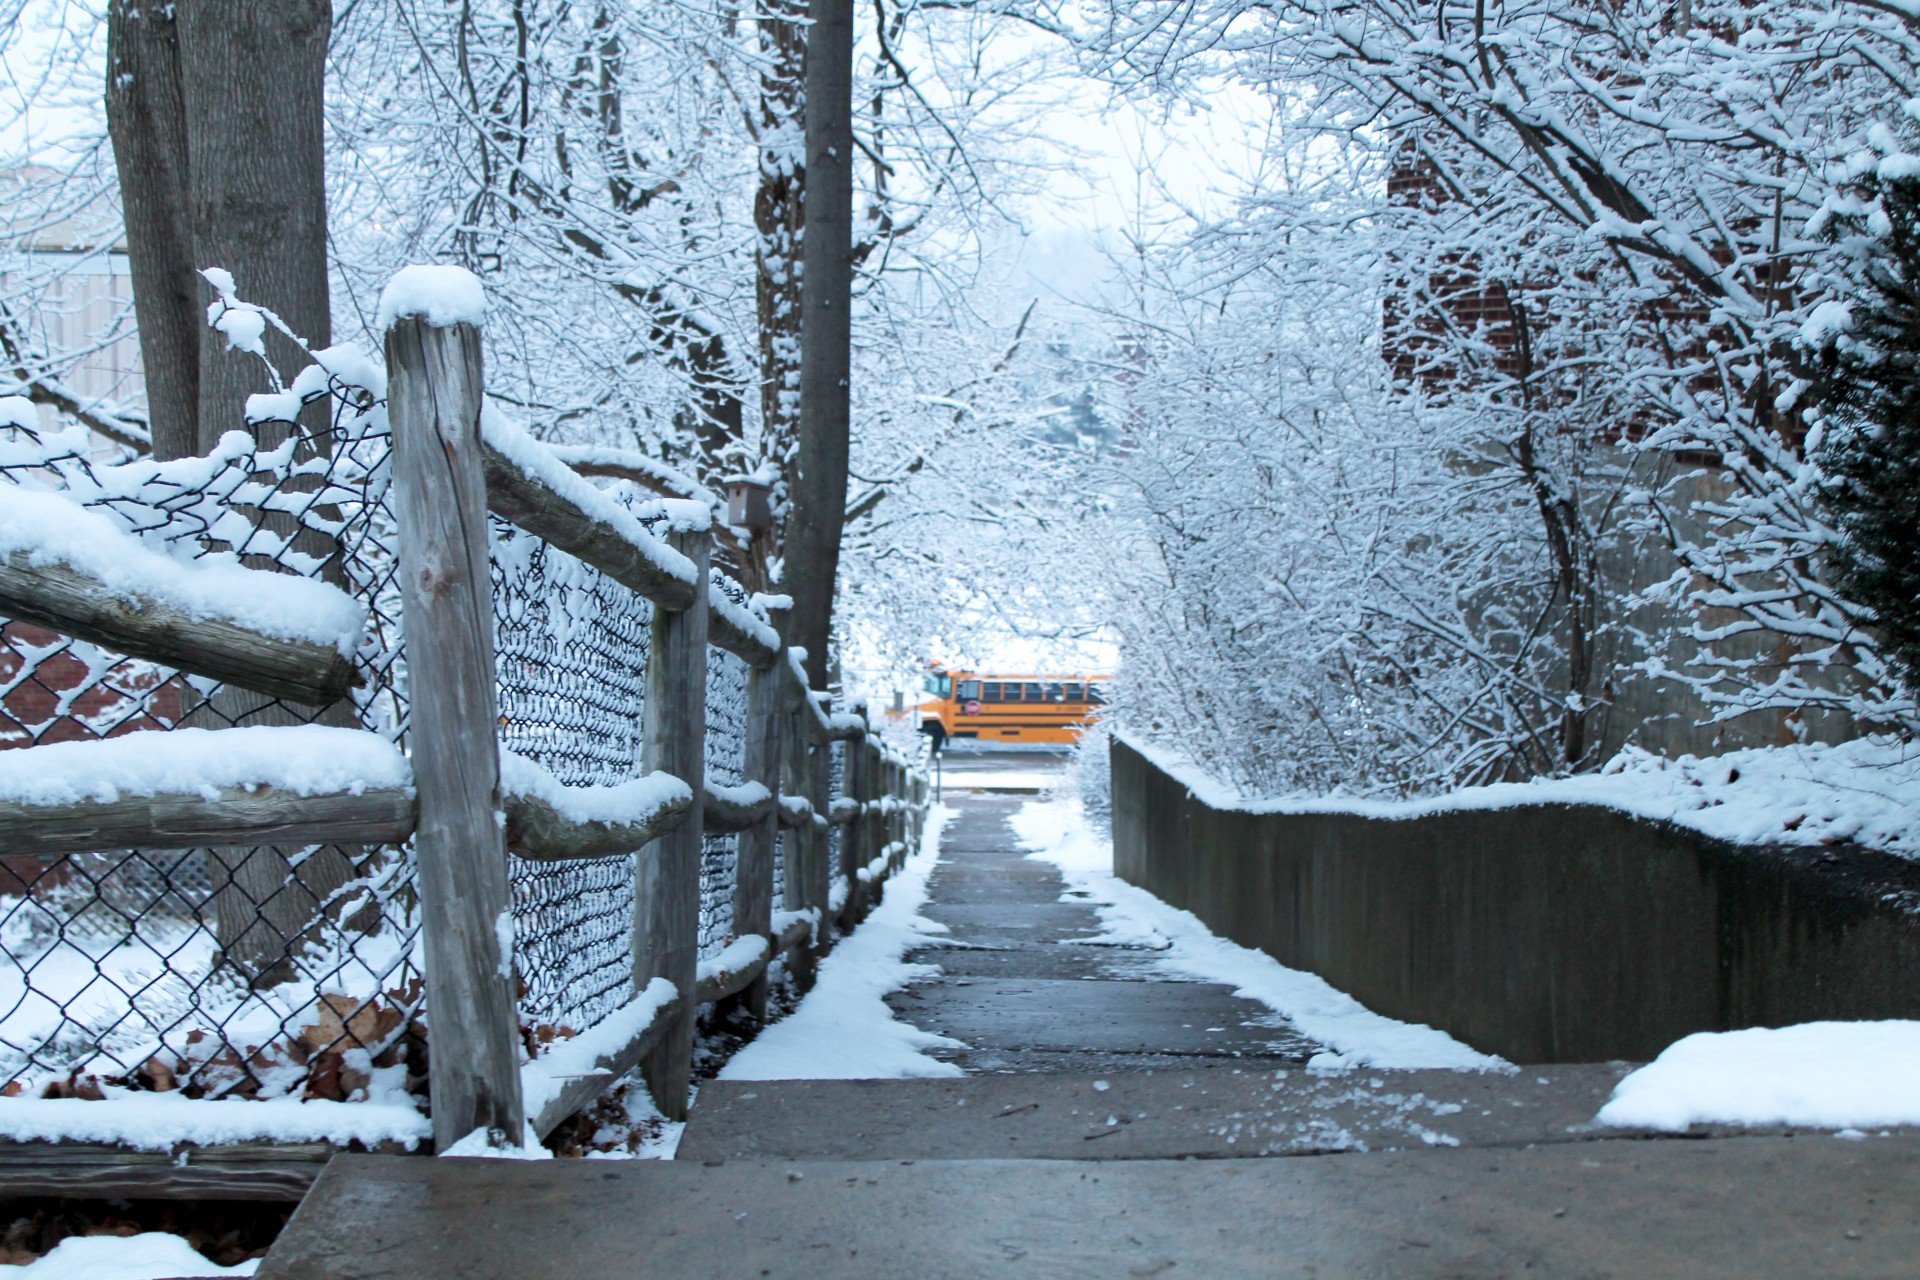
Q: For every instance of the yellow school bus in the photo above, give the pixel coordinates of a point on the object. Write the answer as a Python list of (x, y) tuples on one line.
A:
[(974, 705)]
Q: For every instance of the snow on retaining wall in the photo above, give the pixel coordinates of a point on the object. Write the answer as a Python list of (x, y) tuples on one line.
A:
[(1544, 927)]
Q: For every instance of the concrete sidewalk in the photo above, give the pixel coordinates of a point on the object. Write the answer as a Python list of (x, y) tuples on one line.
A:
[(1020, 987), (1117, 1123)]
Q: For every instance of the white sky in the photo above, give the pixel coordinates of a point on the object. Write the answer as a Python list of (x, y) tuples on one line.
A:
[(1136, 169)]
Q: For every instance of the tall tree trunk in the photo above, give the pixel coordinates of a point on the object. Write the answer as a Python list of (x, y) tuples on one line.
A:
[(253, 80), (147, 123), (215, 110), (818, 490)]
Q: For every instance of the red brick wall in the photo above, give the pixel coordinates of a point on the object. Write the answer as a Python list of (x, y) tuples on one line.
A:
[(129, 700)]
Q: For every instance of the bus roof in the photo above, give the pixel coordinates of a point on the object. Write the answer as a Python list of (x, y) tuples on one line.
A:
[(966, 673)]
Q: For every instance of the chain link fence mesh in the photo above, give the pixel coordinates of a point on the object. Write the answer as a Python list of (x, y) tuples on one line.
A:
[(292, 972), (256, 972), (725, 764)]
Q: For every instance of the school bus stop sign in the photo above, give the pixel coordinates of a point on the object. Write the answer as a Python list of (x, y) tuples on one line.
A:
[(971, 709)]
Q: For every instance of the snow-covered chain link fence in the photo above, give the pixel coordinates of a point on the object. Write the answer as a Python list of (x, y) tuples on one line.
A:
[(572, 662), (220, 971), (225, 972)]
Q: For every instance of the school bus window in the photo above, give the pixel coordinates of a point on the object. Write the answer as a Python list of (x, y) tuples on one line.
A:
[(1076, 692), (1054, 693), (969, 691), (1094, 694), (993, 691), (1035, 693)]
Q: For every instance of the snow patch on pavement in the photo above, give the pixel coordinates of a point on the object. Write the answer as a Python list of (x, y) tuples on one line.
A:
[(1820, 1075), (843, 1029), (1056, 831), (151, 1255)]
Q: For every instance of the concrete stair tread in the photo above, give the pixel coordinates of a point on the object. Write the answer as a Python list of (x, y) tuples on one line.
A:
[(1213, 1112), (1752, 1208)]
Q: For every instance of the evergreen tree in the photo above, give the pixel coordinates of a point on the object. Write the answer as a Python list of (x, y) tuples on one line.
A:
[(1869, 400)]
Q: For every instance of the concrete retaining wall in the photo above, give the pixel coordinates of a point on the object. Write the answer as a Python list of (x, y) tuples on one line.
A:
[(1548, 933)]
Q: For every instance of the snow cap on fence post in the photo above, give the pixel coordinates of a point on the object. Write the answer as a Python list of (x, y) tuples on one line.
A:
[(442, 296)]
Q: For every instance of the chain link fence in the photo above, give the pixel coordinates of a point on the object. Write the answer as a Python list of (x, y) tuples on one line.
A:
[(257, 972), (278, 972)]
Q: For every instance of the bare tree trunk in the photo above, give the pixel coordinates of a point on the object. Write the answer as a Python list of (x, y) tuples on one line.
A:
[(148, 125), (215, 108), (818, 491), (253, 80), (776, 219)]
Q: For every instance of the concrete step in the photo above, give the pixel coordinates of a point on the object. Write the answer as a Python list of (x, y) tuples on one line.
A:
[(1751, 1208), (1212, 1112)]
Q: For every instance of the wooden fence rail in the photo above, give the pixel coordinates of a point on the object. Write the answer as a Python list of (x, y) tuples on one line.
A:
[(450, 466)]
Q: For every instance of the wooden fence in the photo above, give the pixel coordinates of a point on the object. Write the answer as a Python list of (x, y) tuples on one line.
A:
[(449, 469)]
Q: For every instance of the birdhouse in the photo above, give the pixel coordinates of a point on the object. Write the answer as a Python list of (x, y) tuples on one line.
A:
[(749, 504)]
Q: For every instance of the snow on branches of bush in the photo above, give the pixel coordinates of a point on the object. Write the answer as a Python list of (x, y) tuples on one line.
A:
[(1611, 217)]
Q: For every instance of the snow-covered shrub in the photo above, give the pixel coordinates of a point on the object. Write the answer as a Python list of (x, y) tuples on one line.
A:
[(1603, 227), (1089, 775)]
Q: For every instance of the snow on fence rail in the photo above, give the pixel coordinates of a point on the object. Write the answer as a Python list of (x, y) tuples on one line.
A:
[(569, 644)]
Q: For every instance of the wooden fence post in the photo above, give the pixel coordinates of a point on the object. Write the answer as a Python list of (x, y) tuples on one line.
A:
[(666, 891), (440, 507), (922, 789), (797, 768), (818, 882), (873, 823), (759, 844), (895, 832), (854, 851)]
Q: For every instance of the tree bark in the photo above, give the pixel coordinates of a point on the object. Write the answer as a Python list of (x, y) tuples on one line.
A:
[(818, 490), (253, 81), (216, 113), (147, 123), (215, 110)]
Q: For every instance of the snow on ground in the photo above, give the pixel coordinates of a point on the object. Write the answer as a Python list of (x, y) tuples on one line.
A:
[(1057, 832), (1866, 791), (1001, 780), (151, 1255), (1821, 1075), (843, 1029)]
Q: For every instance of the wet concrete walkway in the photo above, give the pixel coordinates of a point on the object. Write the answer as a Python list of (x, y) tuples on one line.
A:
[(1024, 989), (1116, 1123)]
